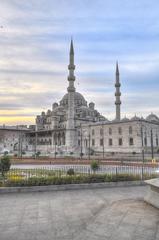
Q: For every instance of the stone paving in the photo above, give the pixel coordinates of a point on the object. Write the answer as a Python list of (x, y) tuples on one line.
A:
[(98, 214)]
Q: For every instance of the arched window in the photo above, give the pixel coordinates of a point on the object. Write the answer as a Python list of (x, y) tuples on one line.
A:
[(131, 141), (120, 130), (92, 131), (110, 141), (120, 141), (130, 130), (101, 142), (110, 131), (101, 131)]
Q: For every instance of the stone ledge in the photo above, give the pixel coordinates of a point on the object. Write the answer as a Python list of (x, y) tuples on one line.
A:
[(152, 196), (70, 187)]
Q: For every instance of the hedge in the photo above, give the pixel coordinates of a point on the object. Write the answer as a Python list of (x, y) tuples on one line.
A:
[(72, 179), (69, 179)]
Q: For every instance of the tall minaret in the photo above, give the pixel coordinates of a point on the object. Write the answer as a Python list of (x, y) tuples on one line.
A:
[(70, 127), (117, 94)]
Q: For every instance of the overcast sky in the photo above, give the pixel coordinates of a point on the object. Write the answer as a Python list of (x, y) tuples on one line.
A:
[(34, 47)]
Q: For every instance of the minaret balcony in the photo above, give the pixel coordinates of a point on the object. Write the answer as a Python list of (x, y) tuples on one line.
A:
[(117, 102), (117, 85), (71, 89), (71, 78), (118, 94), (71, 66)]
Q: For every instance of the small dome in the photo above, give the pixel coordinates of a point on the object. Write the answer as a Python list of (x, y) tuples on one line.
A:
[(91, 105), (54, 105), (125, 119), (79, 100), (152, 118), (135, 118), (48, 112), (105, 120)]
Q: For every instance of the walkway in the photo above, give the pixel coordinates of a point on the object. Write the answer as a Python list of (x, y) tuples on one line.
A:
[(100, 214)]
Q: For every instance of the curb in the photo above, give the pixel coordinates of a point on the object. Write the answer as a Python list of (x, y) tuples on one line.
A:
[(70, 187)]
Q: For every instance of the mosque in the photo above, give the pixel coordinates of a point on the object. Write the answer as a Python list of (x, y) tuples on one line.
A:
[(74, 127)]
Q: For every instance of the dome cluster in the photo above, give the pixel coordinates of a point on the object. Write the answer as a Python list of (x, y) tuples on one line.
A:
[(150, 118), (79, 100)]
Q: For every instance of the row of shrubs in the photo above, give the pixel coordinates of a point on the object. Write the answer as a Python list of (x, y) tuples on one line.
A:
[(72, 179)]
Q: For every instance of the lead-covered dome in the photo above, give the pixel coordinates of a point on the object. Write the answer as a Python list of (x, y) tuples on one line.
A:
[(79, 100), (135, 118), (152, 118)]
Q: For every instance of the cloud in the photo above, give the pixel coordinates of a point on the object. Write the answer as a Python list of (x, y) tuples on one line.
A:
[(34, 46)]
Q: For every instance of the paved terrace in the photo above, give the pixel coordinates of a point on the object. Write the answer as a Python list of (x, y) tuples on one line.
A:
[(100, 214)]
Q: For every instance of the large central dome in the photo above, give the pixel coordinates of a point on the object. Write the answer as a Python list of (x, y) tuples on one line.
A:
[(79, 100)]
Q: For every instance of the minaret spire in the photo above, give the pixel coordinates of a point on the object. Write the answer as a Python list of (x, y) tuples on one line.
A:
[(70, 127), (71, 68), (117, 68), (71, 47), (117, 94)]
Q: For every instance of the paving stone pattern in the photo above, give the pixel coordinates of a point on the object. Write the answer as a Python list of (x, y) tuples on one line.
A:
[(98, 214)]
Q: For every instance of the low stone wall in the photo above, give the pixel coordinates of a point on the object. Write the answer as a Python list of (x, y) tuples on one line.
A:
[(70, 187), (152, 196)]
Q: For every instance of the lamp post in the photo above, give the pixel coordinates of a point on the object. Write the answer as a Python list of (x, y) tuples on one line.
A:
[(142, 144), (89, 142), (152, 150), (143, 155), (35, 143), (20, 145), (86, 137), (81, 153), (55, 148), (103, 139)]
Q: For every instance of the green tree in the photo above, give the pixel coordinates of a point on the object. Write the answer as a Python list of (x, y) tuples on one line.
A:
[(94, 165), (4, 164), (70, 172)]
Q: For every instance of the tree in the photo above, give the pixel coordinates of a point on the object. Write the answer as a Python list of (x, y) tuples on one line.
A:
[(70, 172), (4, 164), (94, 165)]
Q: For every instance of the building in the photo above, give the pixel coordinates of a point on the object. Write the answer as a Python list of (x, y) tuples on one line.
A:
[(74, 127), (13, 139)]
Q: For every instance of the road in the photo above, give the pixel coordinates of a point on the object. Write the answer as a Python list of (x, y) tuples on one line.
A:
[(110, 169)]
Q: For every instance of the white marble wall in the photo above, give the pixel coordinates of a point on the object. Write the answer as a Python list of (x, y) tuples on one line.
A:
[(125, 135)]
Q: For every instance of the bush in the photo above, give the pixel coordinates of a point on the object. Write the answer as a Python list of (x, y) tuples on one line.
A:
[(94, 166), (4, 164), (81, 154), (6, 153), (38, 154), (70, 172), (69, 179), (134, 153)]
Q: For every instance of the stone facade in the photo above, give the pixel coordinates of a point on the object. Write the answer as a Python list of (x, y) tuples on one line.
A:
[(13, 139), (125, 136), (73, 126)]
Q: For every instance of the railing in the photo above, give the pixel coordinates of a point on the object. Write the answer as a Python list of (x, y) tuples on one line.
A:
[(61, 171)]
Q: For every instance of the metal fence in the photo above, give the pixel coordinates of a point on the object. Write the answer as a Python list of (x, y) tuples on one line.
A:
[(35, 171)]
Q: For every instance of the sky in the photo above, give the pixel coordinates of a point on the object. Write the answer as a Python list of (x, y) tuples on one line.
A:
[(34, 53)]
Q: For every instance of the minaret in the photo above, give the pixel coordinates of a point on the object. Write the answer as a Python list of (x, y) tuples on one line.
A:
[(70, 127), (117, 94)]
